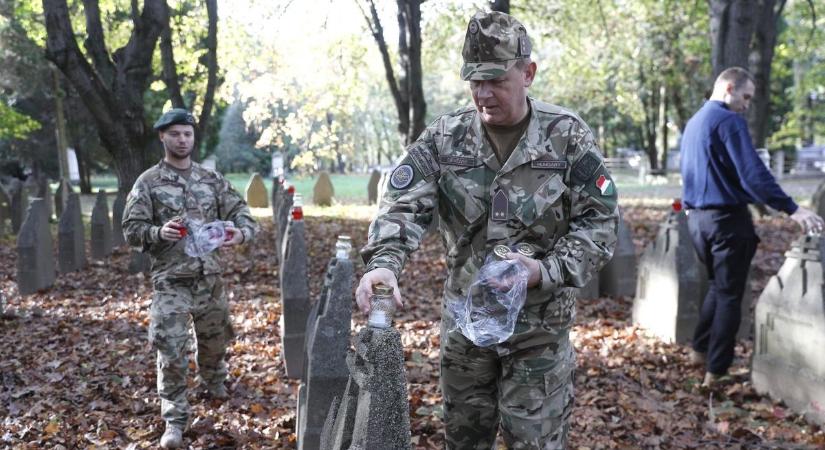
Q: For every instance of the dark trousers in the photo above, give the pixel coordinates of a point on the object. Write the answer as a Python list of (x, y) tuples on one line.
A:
[(725, 242)]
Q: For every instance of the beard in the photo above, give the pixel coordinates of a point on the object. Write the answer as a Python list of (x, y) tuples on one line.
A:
[(178, 154)]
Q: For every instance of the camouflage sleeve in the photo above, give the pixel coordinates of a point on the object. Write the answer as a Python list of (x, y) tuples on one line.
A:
[(591, 237), (406, 209), (231, 206), (138, 228)]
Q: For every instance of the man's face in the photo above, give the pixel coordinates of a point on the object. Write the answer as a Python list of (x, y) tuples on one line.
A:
[(178, 140), (503, 100), (740, 99)]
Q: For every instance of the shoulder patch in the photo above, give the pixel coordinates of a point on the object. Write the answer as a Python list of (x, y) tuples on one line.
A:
[(402, 176), (424, 160), (585, 167)]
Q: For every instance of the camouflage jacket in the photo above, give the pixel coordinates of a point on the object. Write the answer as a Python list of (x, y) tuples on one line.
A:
[(553, 192), (160, 194)]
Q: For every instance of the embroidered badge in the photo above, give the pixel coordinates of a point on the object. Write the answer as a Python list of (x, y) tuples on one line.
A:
[(605, 185), (402, 176), (549, 164), (585, 167), (500, 207), (424, 161), (473, 27)]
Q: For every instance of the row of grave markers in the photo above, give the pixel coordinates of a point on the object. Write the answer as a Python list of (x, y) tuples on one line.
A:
[(36, 267), (346, 399)]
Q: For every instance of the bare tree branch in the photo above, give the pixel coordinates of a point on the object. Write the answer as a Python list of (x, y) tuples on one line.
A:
[(170, 70), (211, 66)]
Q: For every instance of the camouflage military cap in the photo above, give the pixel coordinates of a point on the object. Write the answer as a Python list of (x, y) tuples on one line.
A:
[(175, 116), (494, 43)]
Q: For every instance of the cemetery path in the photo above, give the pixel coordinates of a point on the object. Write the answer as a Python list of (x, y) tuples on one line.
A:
[(75, 370)]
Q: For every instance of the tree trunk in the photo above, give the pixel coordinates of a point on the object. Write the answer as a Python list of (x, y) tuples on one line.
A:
[(407, 92), (113, 90), (761, 57), (732, 23)]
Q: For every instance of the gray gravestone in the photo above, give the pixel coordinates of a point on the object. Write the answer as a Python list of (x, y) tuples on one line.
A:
[(323, 191), (117, 218), (671, 283), (101, 235), (19, 204), (45, 193), (374, 412), (295, 301), (790, 332), (591, 289), (35, 261), (61, 196), (818, 200), (284, 209), (277, 186), (70, 241), (618, 277), (5, 209), (372, 187), (328, 333), (256, 192)]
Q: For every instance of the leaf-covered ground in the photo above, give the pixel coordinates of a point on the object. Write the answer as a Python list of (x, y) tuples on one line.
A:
[(76, 372)]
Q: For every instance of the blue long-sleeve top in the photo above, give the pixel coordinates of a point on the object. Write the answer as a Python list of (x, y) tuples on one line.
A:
[(720, 167)]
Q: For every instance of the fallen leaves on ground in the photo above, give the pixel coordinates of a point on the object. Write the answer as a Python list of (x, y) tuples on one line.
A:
[(76, 371)]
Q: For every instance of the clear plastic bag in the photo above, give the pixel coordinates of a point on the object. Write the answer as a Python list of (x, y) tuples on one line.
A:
[(487, 315), (203, 238)]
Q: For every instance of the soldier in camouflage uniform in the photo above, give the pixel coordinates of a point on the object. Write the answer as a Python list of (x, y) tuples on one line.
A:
[(188, 291), (509, 170)]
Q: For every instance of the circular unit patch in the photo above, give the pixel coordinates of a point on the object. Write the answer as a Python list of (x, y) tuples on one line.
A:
[(402, 176)]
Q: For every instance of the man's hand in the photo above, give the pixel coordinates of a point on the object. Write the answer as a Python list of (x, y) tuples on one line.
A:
[(232, 236), (808, 220), (532, 266), (375, 276), (172, 231)]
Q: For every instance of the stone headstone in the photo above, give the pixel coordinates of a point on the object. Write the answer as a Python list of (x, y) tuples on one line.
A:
[(790, 332), (323, 192), (139, 262), (45, 193), (256, 192), (5, 210), (327, 341), (818, 200), (618, 277), (295, 301), (591, 289), (101, 235), (70, 241), (372, 187), (373, 412), (61, 196), (671, 283), (35, 261), (19, 204), (117, 218), (284, 208)]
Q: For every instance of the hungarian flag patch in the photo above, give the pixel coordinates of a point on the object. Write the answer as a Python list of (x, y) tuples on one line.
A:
[(605, 185)]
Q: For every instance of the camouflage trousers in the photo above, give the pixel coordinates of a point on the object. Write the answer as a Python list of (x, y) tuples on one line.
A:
[(178, 306), (523, 385)]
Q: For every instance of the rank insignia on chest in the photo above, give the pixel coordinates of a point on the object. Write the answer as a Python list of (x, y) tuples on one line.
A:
[(605, 185), (499, 210)]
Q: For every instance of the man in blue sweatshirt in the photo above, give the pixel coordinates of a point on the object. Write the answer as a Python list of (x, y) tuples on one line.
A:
[(721, 174)]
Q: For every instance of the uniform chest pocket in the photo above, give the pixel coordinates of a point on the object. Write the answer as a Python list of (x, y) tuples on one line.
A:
[(168, 199), (459, 192), (546, 202)]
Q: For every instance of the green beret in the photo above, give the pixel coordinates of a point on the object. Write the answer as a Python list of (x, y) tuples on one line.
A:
[(175, 116)]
